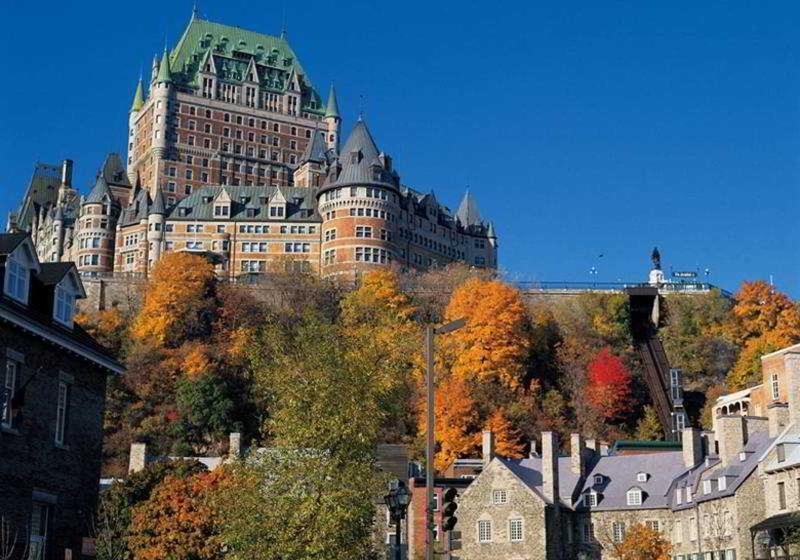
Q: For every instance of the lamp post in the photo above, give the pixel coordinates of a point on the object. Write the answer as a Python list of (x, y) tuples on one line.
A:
[(397, 501), (430, 331)]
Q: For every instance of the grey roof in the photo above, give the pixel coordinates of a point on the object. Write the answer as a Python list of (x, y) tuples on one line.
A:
[(99, 192), (359, 163), (300, 203), (332, 110), (42, 191), (158, 207), (490, 233), (113, 171), (467, 212), (529, 471), (790, 439), (137, 210), (620, 474), (712, 469), (317, 148), (10, 241), (52, 273)]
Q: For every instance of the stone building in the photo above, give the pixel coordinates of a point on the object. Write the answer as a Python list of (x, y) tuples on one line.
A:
[(232, 154), (51, 410)]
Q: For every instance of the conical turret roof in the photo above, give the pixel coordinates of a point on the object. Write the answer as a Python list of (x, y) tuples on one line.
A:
[(164, 72), (99, 192), (158, 206), (332, 110), (138, 97), (468, 213), (357, 158), (317, 148)]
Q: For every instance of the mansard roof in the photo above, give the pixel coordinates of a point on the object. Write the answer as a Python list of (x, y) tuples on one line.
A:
[(232, 49), (300, 203)]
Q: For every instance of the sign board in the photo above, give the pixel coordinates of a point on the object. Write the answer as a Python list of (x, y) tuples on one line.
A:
[(684, 274)]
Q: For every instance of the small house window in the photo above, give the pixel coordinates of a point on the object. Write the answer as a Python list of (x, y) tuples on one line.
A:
[(598, 479), (775, 387), (618, 531), (515, 530), (9, 387), (64, 306), (484, 531), (17, 276), (706, 487), (499, 497), (641, 477), (62, 407), (634, 497)]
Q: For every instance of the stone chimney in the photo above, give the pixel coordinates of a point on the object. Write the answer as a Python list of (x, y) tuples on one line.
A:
[(138, 458), (692, 447), (792, 365), (577, 454), (234, 445), (533, 451), (488, 447), (778, 418), (550, 466), (66, 173), (731, 436)]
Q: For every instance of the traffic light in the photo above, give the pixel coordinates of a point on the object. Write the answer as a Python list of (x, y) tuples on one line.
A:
[(450, 505)]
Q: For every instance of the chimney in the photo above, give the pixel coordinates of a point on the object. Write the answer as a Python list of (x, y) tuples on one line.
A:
[(138, 458), (234, 445), (577, 452), (692, 447), (488, 447), (792, 365), (604, 449), (778, 418), (66, 173), (550, 466), (591, 444), (533, 452), (731, 437)]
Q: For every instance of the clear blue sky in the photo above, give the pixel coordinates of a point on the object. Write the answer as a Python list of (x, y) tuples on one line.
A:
[(583, 128)]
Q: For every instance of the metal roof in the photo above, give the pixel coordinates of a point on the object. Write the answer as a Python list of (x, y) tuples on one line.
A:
[(300, 203)]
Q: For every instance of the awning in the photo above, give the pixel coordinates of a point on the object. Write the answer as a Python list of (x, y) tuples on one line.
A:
[(780, 521)]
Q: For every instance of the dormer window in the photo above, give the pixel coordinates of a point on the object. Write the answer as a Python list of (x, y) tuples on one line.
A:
[(222, 210), (678, 496), (17, 279), (642, 477), (276, 212), (722, 483), (64, 308), (634, 497), (598, 479), (781, 450), (742, 456), (706, 487), (591, 499)]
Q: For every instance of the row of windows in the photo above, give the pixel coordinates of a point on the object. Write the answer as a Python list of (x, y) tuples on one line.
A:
[(369, 192), (250, 121), (515, 530), (372, 254)]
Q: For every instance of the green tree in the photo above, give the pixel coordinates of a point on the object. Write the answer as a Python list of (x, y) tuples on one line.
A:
[(205, 411), (649, 427)]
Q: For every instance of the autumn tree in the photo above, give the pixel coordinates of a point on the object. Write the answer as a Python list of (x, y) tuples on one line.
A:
[(642, 543), (177, 521), (178, 301), (495, 343), (609, 385), (763, 320), (649, 427), (508, 440), (106, 326)]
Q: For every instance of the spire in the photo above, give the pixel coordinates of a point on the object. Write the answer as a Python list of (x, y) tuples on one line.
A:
[(490, 233), (158, 206), (332, 109), (316, 149), (468, 213), (99, 192), (138, 97), (164, 73)]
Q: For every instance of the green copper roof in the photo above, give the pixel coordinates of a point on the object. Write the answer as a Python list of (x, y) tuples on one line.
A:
[(232, 49), (332, 110), (138, 97), (164, 73)]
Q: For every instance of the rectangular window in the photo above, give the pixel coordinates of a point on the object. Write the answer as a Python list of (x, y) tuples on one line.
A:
[(484, 531), (588, 531), (677, 537), (692, 529), (17, 280), (62, 407), (515, 530), (9, 387), (653, 524), (618, 531), (40, 520), (65, 306), (499, 497), (775, 387), (782, 495), (363, 231)]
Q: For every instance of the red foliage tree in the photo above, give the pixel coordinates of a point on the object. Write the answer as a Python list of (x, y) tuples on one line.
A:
[(609, 388)]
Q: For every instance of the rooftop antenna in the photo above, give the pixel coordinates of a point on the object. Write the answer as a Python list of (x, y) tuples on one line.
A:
[(194, 10), (361, 107), (283, 20)]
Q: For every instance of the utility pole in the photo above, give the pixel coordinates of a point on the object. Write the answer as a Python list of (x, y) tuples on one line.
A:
[(430, 331)]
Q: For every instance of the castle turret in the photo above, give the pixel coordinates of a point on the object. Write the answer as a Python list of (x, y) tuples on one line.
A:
[(333, 120), (133, 115), (97, 229), (58, 232), (161, 94), (155, 228), (313, 164), (357, 203)]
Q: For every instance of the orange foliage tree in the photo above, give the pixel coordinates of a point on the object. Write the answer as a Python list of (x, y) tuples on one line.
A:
[(507, 439), (609, 387), (456, 421), (177, 521), (763, 320), (177, 301), (643, 543), (495, 343)]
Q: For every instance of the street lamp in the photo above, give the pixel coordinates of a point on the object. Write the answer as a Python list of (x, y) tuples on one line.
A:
[(429, 448), (397, 501)]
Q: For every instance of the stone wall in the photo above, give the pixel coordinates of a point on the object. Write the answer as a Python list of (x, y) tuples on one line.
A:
[(105, 293)]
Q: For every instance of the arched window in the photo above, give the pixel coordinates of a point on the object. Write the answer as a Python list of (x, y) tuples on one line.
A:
[(634, 497)]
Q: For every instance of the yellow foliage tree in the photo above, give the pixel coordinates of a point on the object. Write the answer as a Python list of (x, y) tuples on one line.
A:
[(507, 439), (643, 543), (763, 320), (196, 361), (456, 422), (495, 343), (177, 300)]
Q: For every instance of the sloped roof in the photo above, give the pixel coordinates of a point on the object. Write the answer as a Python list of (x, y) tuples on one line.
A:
[(467, 212), (158, 207), (316, 149), (332, 109), (300, 203), (42, 191), (138, 97), (10, 241), (233, 48), (99, 192), (114, 171), (358, 160), (164, 72)]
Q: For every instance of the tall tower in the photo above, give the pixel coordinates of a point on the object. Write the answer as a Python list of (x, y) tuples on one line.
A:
[(358, 204), (155, 228), (133, 114), (333, 120), (161, 90), (97, 229)]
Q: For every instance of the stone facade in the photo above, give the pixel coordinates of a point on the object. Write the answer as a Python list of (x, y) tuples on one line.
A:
[(51, 415)]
